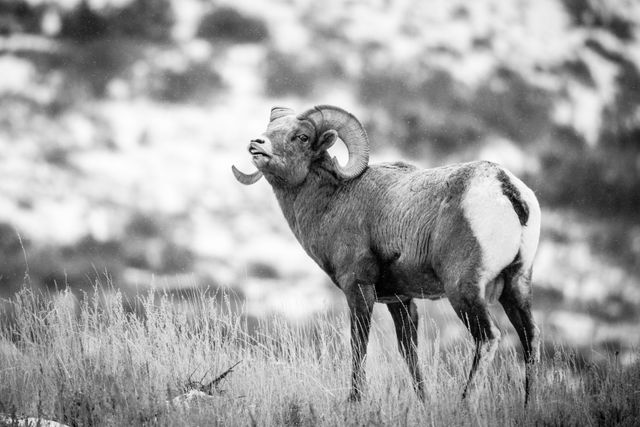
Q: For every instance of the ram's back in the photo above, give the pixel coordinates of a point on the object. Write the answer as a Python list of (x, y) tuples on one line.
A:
[(409, 201)]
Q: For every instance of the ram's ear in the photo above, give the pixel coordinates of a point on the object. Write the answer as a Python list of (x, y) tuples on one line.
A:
[(326, 140)]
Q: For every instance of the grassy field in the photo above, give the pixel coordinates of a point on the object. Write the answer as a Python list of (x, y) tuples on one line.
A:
[(111, 360)]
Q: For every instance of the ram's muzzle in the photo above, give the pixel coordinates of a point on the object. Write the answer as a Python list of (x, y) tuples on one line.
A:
[(260, 150)]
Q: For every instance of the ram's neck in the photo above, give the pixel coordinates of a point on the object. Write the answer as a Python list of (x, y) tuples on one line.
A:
[(305, 205)]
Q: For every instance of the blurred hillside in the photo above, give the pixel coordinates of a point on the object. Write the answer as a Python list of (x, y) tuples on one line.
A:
[(119, 120)]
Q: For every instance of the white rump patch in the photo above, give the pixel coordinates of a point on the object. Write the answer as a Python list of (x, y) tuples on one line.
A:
[(493, 222)]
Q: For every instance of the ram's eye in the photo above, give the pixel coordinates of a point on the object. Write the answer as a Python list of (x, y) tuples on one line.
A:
[(302, 137)]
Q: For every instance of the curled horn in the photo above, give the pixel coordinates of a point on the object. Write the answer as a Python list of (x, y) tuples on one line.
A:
[(277, 112), (246, 179), (349, 129)]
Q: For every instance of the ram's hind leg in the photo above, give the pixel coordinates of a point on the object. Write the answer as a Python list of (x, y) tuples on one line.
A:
[(468, 302), (516, 301), (460, 268), (405, 319)]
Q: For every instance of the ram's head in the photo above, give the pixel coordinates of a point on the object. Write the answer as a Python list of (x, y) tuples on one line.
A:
[(286, 151)]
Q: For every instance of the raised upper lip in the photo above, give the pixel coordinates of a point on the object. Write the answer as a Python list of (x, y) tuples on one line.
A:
[(256, 149)]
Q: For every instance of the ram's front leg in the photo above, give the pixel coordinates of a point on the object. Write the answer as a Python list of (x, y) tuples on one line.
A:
[(360, 298)]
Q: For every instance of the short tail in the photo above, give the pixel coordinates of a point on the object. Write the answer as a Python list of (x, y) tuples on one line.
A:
[(513, 194)]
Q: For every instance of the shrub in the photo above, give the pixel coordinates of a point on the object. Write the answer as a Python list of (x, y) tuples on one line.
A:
[(84, 24), (175, 259), (228, 24), (621, 122), (577, 69), (510, 106), (145, 19), (142, 225), (100, 61), (20, 16), (140, 19), (148, 246), (196, 82), (285, 75), (606, 14), (78, 265), (592, 180)]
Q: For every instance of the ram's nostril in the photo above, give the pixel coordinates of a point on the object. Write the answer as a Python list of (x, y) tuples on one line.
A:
[(258, 140)]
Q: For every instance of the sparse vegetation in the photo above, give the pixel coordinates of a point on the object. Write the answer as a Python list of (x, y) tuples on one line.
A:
[(90, 362), (424, 112)]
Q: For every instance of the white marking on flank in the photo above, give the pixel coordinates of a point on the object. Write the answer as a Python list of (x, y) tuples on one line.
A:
[(493, 222)]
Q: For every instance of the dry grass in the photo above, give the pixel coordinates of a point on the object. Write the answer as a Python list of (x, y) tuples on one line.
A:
[(96, 363)]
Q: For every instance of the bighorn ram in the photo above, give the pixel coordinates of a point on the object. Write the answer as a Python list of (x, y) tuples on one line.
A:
[(391, 232)]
